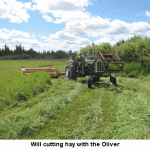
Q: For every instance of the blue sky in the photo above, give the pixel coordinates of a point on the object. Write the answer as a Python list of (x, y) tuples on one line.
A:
[(71, 24)]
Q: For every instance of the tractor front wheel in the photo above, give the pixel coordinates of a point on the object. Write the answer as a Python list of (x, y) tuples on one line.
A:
[(113, 79), (89, 81)]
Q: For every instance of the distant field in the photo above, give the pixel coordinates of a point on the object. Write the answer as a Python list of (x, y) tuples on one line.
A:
[(68, 110)]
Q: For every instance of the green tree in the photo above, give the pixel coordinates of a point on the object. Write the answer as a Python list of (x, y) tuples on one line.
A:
[(31, 52), (60, 54), (6, 50), (99, 48), (52, 52), (25, 56), (18, 49), (120, 42), (88, 50), (70, 53), (106, 48), (83, 51), (134, 38), (126, 51), (147, 44)]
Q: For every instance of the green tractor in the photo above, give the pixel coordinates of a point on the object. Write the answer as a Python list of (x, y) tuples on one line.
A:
[(93, 67)]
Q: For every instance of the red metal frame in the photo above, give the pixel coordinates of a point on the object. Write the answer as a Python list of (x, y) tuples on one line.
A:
[(117, 56), (101, 55)]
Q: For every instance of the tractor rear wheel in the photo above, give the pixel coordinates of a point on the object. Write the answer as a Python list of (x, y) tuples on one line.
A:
[(113, 79), (89, 81)]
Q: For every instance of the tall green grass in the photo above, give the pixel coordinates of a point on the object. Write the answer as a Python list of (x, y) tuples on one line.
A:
[(16, 88), (134, 69), (25, 87)]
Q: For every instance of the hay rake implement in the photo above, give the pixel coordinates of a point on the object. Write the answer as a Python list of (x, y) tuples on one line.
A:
[(50, 70)]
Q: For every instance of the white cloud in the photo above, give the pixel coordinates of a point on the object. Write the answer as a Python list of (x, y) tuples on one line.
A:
[(89, 27), (14, 33), (14, 10), (97, 27), (63, 41), (148, 13), (70, 16), (70, 38), (43, 37), (63, 10), (16, 37), (104, 40), (59, 41), (25, 42), (47, 18), (67, 41), (100, 28), (65, 5), (118, 27), (61, 35)]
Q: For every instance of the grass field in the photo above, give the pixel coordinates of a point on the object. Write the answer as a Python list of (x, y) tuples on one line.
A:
[(16, 87), (68, 110)]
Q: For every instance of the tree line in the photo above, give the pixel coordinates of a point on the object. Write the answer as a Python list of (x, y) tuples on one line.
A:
[(20, 53), (134, 49)]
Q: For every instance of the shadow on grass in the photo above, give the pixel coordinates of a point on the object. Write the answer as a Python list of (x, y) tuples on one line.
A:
[(101, 84)]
